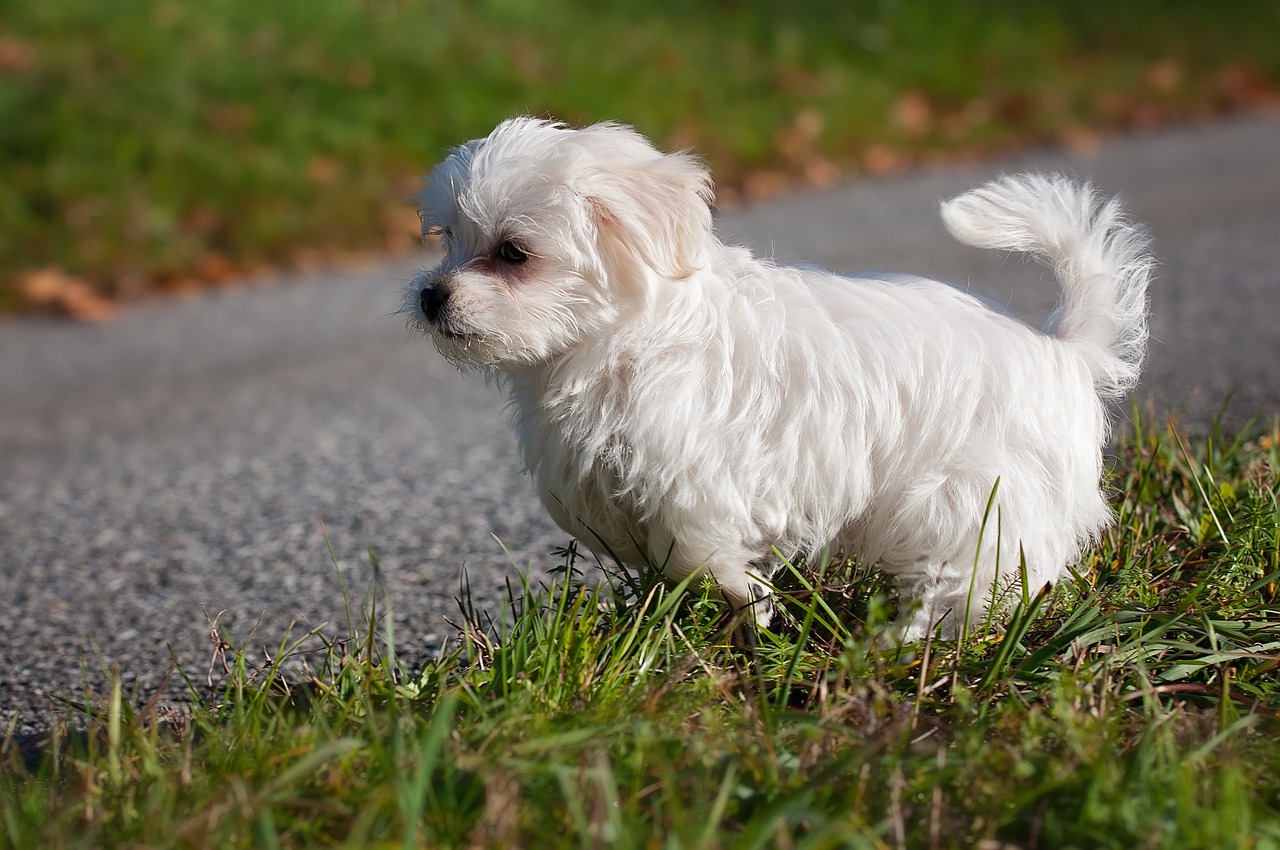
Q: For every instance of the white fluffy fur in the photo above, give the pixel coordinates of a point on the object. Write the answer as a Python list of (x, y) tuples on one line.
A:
[(683, 403)]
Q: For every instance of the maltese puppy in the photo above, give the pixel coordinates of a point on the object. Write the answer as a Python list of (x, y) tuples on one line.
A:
[(685, 404)]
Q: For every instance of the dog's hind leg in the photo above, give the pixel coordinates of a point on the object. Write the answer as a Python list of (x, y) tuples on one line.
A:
[(936, 600)]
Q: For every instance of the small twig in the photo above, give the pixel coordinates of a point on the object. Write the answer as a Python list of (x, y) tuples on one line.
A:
[(220, 646)]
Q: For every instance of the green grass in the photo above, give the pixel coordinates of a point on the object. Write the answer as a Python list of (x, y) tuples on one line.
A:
[(1133, 707), (156, 143)]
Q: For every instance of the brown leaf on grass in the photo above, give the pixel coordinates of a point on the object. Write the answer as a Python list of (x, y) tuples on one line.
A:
[(820, 173), (1079, 138), (912, 113), (1243, 85), (1164, 76), (202, 219), (959, 124), (323, 170), (795, 140), (1114, 107), (763, 185), (307, 259), (215, 267), (228, 118), (881, 159), (15, 56), (54, 289), (360, 75)]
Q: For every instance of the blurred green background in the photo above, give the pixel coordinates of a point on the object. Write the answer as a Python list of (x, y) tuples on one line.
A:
[(163, 144)]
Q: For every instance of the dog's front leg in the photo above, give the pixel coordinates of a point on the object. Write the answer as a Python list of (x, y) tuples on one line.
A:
[(747, 589)]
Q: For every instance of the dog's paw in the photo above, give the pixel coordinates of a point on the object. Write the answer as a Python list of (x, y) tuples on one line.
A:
[(761, 605)]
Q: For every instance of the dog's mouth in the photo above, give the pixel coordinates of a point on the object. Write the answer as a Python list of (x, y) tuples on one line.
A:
[(458, 345), (464, 350), (455, 336), (442, 329)]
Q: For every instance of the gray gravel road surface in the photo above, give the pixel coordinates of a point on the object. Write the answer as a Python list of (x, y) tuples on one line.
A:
[(189, 456)]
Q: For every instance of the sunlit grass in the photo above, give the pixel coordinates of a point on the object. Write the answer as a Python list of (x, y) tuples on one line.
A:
[(1133, 706)]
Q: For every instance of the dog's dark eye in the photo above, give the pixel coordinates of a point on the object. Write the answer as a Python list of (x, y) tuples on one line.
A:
[(510, 252)]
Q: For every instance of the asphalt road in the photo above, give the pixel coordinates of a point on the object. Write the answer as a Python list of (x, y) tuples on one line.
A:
[(189, 456)]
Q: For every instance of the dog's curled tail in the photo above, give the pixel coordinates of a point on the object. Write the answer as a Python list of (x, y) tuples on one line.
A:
[(1100, 257)]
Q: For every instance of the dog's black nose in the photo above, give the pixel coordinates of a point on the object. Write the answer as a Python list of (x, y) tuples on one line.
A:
[(433, 298)]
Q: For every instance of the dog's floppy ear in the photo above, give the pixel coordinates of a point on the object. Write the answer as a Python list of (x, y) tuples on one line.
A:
[(652, 210)]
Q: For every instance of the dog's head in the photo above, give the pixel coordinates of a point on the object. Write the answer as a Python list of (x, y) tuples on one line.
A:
[(550, 236)]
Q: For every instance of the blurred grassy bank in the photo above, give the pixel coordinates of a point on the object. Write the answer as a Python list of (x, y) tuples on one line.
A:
[(159, 144)]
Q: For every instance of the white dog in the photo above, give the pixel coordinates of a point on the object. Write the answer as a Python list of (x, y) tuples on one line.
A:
[(685, 404)]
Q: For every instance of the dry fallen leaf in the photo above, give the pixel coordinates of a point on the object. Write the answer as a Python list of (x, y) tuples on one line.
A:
[(913, 114), (215, 267), (763, 185), (323, 170), (1080, 139), (54, 289), (15, 56), (795, 141), (1164, 76), (881, 159), (820, 172)]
